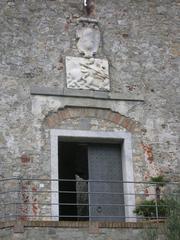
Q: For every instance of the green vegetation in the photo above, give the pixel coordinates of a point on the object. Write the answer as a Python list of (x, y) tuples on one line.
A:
[(149, 234), (159, 180), (172, 226), (149, 208), (169, 208), (156, 208)]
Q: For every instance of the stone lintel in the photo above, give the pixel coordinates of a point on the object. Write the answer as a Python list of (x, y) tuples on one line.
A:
[(46, 91), (88, 20)]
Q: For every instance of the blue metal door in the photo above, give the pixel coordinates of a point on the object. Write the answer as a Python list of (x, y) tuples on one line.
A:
[(106, 198)]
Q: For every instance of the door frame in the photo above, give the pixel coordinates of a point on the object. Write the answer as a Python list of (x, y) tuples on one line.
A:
[(124, 138)]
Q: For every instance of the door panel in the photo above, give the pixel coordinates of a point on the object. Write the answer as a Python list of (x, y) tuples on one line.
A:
[(104, 162)]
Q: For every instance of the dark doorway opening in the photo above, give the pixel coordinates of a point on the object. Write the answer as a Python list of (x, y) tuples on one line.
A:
[(90, 186), (73, 170)]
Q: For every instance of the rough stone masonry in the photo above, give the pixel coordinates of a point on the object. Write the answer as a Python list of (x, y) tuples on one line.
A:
[(138, 41)]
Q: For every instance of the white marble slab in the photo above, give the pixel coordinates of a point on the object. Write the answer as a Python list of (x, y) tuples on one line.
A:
[(87, 73)]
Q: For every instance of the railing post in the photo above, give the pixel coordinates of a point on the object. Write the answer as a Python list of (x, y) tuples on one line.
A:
[(18, 202), (156, 203)]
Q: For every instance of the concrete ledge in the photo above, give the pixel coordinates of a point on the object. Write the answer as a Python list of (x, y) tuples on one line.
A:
[(46, 91), (7, 224)]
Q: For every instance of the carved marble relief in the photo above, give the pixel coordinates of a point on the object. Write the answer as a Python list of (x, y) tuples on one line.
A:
[(87, 73)]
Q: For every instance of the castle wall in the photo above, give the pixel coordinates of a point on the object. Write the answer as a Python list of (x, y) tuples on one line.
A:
[(139, 39)]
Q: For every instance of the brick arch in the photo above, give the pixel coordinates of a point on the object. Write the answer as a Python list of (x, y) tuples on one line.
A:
[(53, 119)]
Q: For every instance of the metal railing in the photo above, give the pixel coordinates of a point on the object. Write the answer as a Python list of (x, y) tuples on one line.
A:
[(86, 200)]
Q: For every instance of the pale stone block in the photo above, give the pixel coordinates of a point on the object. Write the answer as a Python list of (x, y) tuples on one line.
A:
[(82, 73)]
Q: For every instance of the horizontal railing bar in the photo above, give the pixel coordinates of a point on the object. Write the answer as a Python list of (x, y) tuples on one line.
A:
[(64, 216), (9, 179), (20, 206), (79, 204), (116, 193), (80, 216), (90, 180)]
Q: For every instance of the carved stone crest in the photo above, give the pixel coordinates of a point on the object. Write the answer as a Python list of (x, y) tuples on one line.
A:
[(88, 40)]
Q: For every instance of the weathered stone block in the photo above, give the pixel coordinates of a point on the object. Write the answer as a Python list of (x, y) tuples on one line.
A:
[(93, 228)]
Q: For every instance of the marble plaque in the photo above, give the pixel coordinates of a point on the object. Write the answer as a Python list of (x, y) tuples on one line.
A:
[(83, 73)]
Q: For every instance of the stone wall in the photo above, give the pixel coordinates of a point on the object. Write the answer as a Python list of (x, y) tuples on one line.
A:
[(79, 230), (139, 39), (71, 234)]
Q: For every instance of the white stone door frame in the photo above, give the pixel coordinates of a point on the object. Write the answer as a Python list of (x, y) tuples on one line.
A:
[(127, 164)]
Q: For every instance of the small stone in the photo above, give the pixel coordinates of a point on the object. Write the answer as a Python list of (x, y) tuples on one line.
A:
[(51, 231), (25, 158), (11, 3)]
